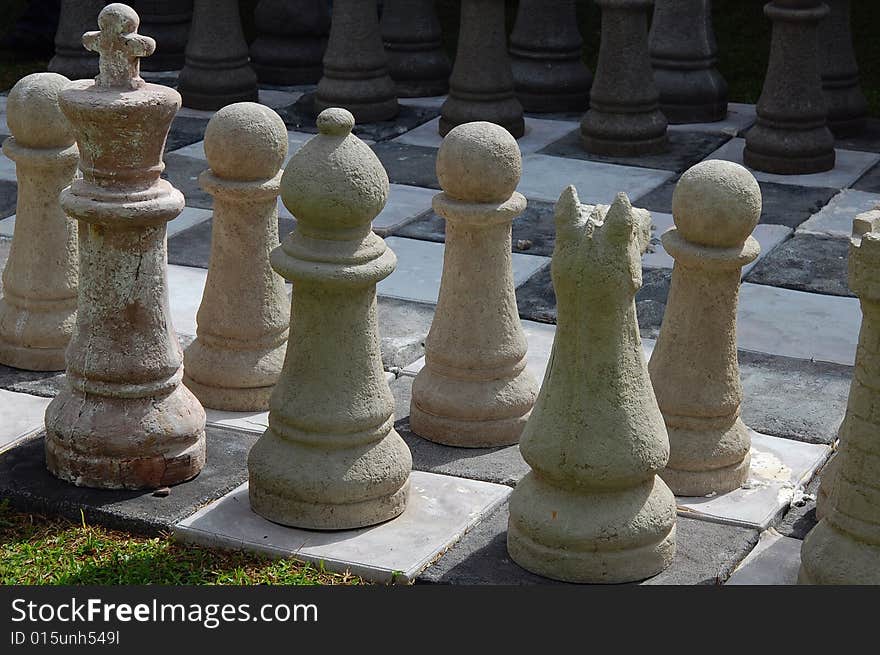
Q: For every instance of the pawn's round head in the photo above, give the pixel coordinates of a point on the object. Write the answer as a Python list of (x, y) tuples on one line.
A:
[(717, 204), (118, 17), (32, 112), (479, 162), (245, 141)]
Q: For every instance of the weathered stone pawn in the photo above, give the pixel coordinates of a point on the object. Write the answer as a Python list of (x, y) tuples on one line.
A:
[(791, 135), (481, 87), (71, 59), (474, 389), (416, 59), (847, 105), (683, 55), (38, 306), (241, 339), (217, 72), (124, 419), (593, 508), (549, 74), (355, 66), (844, 547), (624, 118), (694, 368), (331, 458)]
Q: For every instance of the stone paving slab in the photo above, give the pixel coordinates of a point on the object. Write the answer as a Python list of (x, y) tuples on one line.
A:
[(870, 181), (20, 415), (836, 218), (8, 198), (407, 164), (440, 511), (783, 204), (801, 517), (849, 167), (29, 486), (706, 553), (774, 561), (685, 150), (300, 116), (806, 262)]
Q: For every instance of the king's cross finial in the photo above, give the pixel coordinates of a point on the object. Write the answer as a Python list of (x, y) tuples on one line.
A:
[(119, 47)]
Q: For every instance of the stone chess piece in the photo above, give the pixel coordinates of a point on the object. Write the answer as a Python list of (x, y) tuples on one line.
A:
[(71, 59), (694, 368), (416, 60), (791, 135), (355, 66), (862, 224), (331, 459), (38, 305), (592, 508), (124, 420), (683, 55), (291, 39), (167, 22), (847, 105), (474, 389), (241, 338), (216, 72), (481, 86), (624, 118), (844, 547), (546, 57)]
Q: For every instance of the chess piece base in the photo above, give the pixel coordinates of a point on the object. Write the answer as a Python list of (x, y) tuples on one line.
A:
[(830, 556), (125, 443), (506, 113), (595, 536), (39, 339), (297, 485), (696, 94), (813, 160), (364, 112), (701, 483), (32, 359), (624, 135), (255, 399)]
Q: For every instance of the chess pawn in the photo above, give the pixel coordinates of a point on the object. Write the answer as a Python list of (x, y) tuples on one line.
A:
[(715, 206), (683, 55), (124, 420), (217, 72), (844, 547), (416, 60), (474, 389), (355, 67), (624, 118), (791, 136), (71, 59), (331, 459), (38, 307), (592, 508), (546, 57), (236, 358), (167, 22), (847, 105), (481, 86), (290, 43)]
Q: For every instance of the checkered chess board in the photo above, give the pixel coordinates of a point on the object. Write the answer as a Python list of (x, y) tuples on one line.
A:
[(798, 326)]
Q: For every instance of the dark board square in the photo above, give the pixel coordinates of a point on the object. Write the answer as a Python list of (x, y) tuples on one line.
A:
[(192, 247), (706, 553), (183, 173), (8, 198), (27, 483), (868, 140), (407, 164), (685, 150), (185, 130), (534, 231), (806, 262), (870, 181), (783, 204), (300, 116), (536, 299)]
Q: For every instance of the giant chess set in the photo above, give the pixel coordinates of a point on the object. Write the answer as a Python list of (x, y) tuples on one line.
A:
[(507, 321)]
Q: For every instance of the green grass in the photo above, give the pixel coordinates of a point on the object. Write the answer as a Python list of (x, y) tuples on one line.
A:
[(42, 550)]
